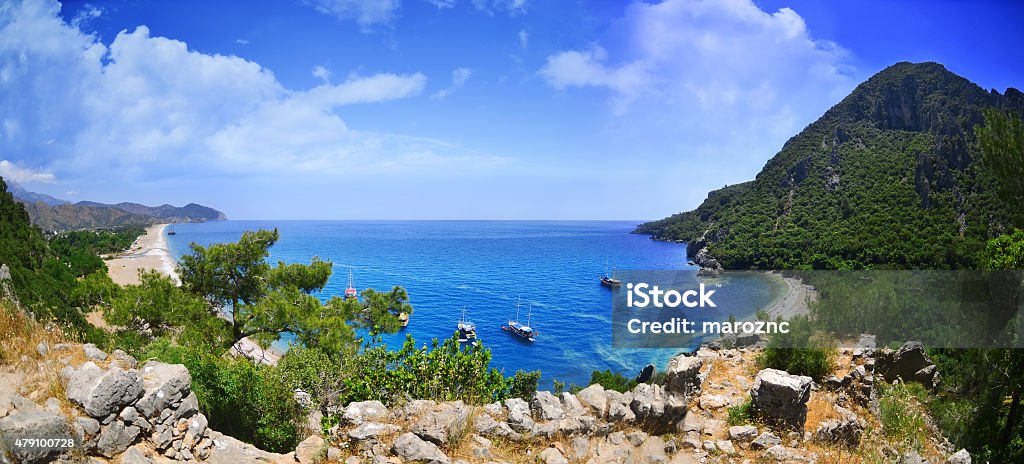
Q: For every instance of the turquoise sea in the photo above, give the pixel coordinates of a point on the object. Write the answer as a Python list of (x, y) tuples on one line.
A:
[(486, 266)]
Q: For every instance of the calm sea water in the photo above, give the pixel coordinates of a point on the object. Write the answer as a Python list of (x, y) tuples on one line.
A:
[(485, 266)]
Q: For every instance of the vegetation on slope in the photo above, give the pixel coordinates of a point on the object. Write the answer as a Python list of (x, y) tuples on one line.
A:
[(886, 178)]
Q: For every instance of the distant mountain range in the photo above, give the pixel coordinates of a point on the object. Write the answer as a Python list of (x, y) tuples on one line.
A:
[(53, 214)]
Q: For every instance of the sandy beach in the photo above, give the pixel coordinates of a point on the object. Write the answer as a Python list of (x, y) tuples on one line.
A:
[(798, 294), (148, 252)]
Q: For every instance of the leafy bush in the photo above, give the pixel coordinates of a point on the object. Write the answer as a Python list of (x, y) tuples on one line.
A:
[(612, 381), (802, 351), (903, 420)]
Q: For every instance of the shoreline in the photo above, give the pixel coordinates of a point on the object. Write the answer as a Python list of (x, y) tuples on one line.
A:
[(795, 301), (148, 252)]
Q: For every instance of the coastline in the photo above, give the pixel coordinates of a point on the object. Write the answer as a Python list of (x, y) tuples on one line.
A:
[(795, 302), (149, 252)]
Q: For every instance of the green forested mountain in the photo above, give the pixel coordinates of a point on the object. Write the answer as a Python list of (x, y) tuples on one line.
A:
[(885, 178)]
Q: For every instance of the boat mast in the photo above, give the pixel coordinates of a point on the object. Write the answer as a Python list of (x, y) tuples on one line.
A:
[(530, 313), (520, 300)]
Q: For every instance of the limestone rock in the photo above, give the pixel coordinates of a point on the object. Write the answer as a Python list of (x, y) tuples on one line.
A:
[(846, 430), (960, 457), (33, 424), (765, 440), (444, 421), (656, 410), (411, 448), (909, 363), (742, 432), (781, 398), (571, 405), (92, 352), (546, 406), (368, 430), (486, 425), (646, 374), (100, 392), (519, 415), (310, 450), (361, 411), (651, 451), (164, 385), (115, 438), (595, 398), (134, 455), (683, 375), (619, 406), (552, 456)]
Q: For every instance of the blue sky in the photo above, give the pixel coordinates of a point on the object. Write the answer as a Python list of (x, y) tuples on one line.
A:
[(447, 109)]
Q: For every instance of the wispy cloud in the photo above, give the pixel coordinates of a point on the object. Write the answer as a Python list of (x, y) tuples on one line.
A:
[(524, 38), (459, 78), (366, 13), (322, 73)]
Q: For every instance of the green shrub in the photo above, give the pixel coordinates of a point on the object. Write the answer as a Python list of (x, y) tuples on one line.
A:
[(903, 421), (801, 351), (612, 381), (740, 414)]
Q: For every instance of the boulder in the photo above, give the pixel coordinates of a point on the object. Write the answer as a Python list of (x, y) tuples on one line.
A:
[(764, 441), (34, 424), (486, 425), (368, 430), (683, 375), (552, 456), (656, 410), (742, 432), (92, 352), (311, 450), (163, 386), (361, 411), (134, 455), (101, 393), (409, 447), (519, 415), (960, 457), (115, 438), (546, 406), (651, 451), (909, 363), (712, 402), (595, 398), (443, 422), (571, 405), (781, 398), (846, 430), (619, 406), (646, 374)]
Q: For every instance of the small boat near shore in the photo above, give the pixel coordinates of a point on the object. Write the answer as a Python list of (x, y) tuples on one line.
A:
[(519, 329), (467, 329), (171, 231), (403, 319)]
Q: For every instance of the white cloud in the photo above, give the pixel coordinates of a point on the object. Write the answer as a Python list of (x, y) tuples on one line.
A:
[(23, 175), (86, 14), (322, 73), (241, 42), (524, 38), (442, 4), (366, 13), (717, 85), (149, 107), (459, 77), (512, 7)]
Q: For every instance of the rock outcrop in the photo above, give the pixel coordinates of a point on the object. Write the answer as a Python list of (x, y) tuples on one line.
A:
[(781, 398)]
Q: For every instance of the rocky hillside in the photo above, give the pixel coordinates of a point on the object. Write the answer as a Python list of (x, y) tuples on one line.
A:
[(885, 178), (714, 406)]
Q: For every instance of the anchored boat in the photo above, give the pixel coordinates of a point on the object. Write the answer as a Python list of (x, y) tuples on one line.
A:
[(519, 329), (608, 281), (467, 329), (350, 291)]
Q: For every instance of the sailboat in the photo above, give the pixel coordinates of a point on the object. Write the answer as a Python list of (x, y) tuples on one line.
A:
[(518, 329), (350, 292), (467, 329), (607, 280)]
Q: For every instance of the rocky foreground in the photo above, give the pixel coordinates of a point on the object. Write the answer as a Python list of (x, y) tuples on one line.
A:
[(118, 411)]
